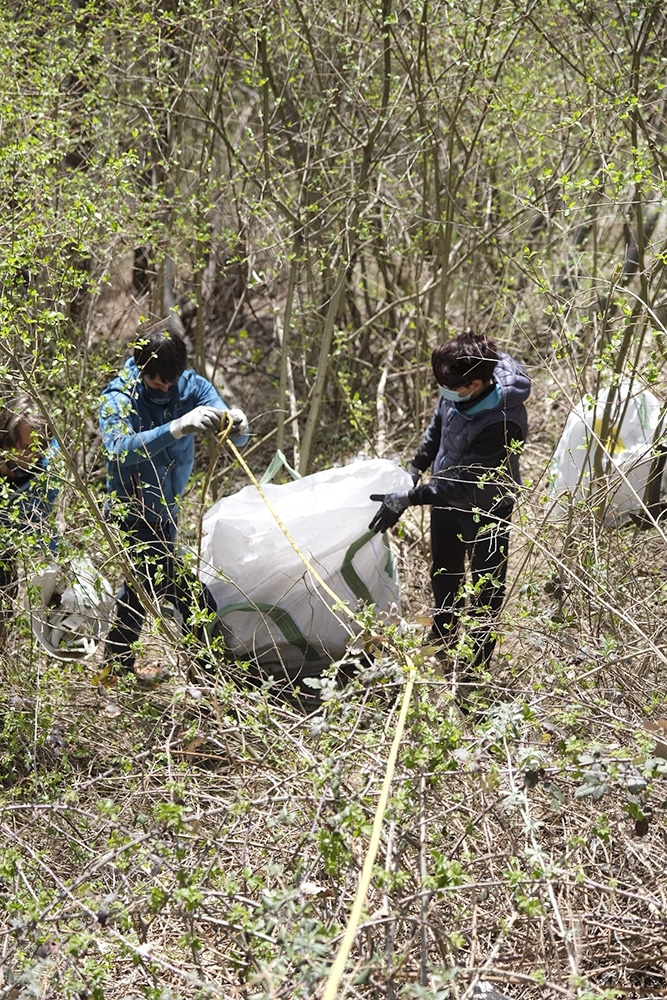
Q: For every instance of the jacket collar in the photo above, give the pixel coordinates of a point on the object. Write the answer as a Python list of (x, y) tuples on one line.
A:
[(489, 400)]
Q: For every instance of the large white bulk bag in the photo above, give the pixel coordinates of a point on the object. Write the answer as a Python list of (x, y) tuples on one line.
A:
[(271, 608), (628, 454)]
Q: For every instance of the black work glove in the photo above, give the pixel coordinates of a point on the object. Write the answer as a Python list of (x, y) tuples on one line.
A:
[(393, 505), (414, 473)]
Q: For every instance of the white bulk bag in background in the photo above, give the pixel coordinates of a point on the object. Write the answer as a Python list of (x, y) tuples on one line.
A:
[(70, 609), (271, 608), (632, 439)]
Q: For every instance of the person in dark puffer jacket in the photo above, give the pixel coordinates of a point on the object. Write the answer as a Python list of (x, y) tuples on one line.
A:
[(472, 445)]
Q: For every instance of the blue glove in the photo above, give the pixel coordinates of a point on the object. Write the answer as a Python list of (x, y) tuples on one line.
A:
[(393, 505)]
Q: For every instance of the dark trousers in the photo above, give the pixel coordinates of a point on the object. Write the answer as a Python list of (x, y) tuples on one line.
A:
[(152, 552), (483, 541)]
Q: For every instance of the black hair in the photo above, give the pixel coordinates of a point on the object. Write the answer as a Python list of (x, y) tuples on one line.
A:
[(463, 359), (161, 354)]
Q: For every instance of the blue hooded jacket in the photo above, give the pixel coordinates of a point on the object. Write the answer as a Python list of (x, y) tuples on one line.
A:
[(146, 464)]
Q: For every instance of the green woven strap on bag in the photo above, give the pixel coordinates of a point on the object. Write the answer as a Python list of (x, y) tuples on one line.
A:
[(349, 573), (278, 462), (282, 620)]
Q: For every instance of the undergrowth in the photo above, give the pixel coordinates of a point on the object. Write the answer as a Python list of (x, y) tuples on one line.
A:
[(207, 842)]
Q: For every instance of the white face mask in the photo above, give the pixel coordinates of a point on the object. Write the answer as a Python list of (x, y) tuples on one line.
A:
[(451, 395)]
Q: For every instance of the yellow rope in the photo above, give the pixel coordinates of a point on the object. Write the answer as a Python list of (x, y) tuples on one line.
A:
[(338, 967)]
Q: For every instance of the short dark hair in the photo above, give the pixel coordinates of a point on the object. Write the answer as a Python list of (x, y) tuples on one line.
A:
[(161, 354), (17, 406), (463, 359)]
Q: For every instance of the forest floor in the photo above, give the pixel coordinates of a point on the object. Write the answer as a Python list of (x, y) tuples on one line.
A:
[(206, 841)]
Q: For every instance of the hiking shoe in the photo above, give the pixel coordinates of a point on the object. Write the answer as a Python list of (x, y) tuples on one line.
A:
[(150, 677)]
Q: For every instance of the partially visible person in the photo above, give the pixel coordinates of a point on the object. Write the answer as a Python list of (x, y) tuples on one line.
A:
[(472, 445), (149, 417), (27, 490)]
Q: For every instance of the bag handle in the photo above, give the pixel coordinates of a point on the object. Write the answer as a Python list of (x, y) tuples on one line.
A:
[(278, 462)]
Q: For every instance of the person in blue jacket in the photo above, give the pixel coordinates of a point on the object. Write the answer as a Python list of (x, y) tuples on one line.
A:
[(149, 417), (472, 445), (27, 490)]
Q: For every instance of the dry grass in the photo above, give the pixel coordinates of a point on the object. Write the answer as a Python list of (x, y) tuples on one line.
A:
[(211, 845), (208, 842)]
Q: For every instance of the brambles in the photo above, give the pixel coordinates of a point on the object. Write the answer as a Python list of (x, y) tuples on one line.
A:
[(323, 194)]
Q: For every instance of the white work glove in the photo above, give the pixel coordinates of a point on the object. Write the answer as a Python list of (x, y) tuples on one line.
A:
[(64, 636), (202, 418), (68, 634), (240, 423)]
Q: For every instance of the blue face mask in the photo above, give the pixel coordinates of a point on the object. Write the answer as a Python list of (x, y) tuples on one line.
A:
[(451, 395)]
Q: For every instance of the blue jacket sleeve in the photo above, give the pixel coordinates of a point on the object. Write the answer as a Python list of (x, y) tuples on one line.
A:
[(119, 438), (27, 507)]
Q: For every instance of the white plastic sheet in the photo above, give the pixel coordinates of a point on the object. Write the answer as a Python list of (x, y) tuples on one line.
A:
[(69, 609), (627, 457), (271, 608)]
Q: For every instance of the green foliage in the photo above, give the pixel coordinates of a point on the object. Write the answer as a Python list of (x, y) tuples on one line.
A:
[(380, 177)]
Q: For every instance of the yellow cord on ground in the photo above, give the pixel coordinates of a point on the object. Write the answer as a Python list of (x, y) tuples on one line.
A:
[(338, 967)]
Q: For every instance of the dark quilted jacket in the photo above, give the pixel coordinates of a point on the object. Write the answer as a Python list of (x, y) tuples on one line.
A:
[(474, 455)]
